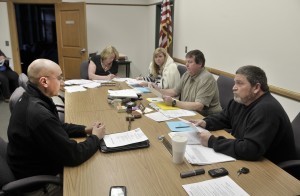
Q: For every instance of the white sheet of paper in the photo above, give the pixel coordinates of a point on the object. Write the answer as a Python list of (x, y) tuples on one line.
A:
[(196, 128), (123, 93), (177, 113), (91, 85), (191, 136), (223, 186), (77, 82), (200, 155), (155, 99), (157, 116), (147, 110), (125, 138), (72, 89)]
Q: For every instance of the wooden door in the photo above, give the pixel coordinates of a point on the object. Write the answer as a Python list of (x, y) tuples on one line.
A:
[(71, 37)]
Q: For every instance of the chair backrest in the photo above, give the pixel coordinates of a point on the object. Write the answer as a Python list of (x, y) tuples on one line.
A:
[(23, 79), (181, 69), (225, 85), (84, 67), (296, 130), (6, 174), (15, 96)]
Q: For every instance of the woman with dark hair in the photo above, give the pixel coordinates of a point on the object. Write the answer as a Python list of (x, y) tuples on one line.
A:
[(8, 78)]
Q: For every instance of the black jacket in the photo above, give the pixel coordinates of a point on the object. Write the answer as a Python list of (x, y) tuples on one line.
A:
[(39, 143)]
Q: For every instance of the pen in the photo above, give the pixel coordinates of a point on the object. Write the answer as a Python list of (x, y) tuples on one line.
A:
[(182, 127), (192, 173)]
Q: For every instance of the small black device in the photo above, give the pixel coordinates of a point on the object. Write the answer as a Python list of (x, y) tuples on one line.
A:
[(218, 172), (117, 191), (192, 173)]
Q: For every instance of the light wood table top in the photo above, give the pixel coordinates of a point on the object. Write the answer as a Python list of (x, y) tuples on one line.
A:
[(150, 171)]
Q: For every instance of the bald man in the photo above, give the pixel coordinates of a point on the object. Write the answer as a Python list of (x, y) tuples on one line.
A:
[(39, 143)]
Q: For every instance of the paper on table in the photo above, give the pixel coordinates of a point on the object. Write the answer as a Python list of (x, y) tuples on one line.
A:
[(147, 110), (196, 128), (191, 135), (164, 106), (77, 82), (91, 85), (177, 113), (157, 116), (125, 138), (143, 89), (72, 89), (130, 93), (200, 155), (122, 79), (223, 186), (155, 99), (179, 126)]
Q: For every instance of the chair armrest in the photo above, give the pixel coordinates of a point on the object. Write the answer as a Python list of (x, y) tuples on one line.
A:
[(289, 164), (30, 182)]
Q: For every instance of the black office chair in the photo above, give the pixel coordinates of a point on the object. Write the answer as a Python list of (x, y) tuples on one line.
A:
[(84, 67), (181, 69), (8, 183), (15, 96), (23, 79), (293, 166), (225, 85), (59, 101)]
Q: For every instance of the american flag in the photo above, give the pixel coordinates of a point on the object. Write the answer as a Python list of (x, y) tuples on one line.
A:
[(166, 31)]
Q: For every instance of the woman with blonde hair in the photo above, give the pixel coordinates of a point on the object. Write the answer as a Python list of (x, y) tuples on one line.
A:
[(162, 70), (104, 66)]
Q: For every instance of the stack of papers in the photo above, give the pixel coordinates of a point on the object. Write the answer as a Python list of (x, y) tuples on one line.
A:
[(126, 93), (223, 186), (125, 138)]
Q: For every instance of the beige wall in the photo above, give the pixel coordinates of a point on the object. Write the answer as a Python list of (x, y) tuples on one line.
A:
[(231, 33)]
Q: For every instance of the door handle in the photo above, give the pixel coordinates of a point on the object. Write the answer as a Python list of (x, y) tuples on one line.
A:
[(83, 50)]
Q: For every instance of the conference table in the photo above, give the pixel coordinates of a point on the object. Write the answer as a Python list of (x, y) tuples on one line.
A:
[(150, 171)]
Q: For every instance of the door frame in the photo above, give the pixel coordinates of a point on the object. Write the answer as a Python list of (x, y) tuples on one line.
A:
[(14, 31)]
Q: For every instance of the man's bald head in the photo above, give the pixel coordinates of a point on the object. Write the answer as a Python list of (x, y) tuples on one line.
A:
[(39, 68), (46, 75)]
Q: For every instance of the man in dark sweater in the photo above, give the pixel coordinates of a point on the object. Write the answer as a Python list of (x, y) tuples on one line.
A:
[(39, 143), (258, 122)]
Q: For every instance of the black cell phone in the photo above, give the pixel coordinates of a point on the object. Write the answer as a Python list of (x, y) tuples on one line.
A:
[(117, 191), (218, 172)]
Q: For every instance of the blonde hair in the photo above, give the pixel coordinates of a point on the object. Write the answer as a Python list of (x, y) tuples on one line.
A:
[(155, 53), (108, 51)]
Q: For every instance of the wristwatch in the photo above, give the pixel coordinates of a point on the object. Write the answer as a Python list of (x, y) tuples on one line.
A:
[(174, 103)]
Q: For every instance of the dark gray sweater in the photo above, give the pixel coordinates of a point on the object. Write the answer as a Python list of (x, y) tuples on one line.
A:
[(260, 129)]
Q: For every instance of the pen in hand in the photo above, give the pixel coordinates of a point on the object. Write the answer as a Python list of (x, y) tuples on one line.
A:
[(182, 127)]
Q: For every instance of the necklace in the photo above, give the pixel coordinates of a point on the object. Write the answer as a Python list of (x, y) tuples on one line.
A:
[(105, 67)]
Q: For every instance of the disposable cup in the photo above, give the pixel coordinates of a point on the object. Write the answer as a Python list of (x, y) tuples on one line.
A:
[(178, 148)]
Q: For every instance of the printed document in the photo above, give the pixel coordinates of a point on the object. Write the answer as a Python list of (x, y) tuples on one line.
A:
[(200, 155), (223, 186), (125, 138)]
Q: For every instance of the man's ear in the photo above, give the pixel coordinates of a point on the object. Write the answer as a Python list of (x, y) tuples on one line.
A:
[(257, 88), (43, 81)]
